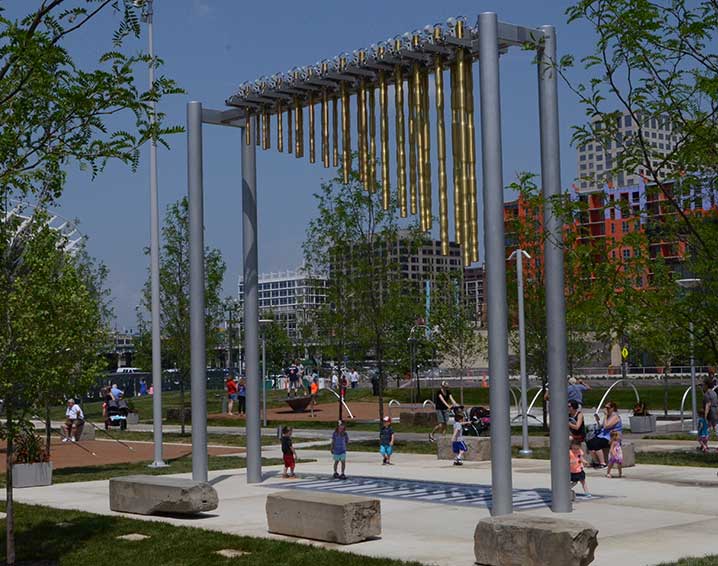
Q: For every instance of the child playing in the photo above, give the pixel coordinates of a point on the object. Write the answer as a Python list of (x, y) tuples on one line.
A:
[(615, 454), (314, 392), (340, 439), (703, 432), (386, 441), (288, 452), (576, 462), (457, 439)]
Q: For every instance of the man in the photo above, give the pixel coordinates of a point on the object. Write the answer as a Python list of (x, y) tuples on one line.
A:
[(443, 403), (576, 387), (116, 392), (293, 374), (354, 378), (75, 421)]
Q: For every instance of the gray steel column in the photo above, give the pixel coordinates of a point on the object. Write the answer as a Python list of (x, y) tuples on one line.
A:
[(198, 372), (525, 450), (502, 502), (251, 311), (553, 273), (694, 402), (158, 462)]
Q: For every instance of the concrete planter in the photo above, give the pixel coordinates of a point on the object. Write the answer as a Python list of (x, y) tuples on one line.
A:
[(133, 418), (32, 475), (642, 425)]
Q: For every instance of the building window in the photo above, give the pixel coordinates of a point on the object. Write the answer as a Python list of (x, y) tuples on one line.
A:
[(654, 123), (624, 227), (627, 121), (582, 157), (626, 254)]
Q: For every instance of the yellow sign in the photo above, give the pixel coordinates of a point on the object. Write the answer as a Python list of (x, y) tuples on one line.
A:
[(624, 352)]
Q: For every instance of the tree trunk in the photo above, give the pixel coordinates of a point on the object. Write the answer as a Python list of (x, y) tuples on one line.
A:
[(9, 507)]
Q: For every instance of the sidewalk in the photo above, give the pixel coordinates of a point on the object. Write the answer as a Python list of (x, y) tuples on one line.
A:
[(655, 514)]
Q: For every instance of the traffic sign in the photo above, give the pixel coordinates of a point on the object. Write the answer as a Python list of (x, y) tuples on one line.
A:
[(624, 352)]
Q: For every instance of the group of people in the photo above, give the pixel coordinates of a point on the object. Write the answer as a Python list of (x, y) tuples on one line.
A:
[(236, 393)]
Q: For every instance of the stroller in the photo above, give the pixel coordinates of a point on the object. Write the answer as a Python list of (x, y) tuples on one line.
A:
[(479, 422), (116, 414)]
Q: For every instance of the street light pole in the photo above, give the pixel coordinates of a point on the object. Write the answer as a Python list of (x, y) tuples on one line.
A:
[(262, 323), (692, 283), (525, 451)]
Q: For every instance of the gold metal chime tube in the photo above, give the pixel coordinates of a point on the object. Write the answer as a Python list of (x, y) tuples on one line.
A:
[(400, 149), (265, 129), (471, 181), (346, 135), (372, 139), (361, 132), (456, 156), (298, 128), (312, 154), (289, 128), (335, 133), (280, 127), (384, 138), (325, 128), (463, 149), (441, 155), (412, 143), (247, 126), (256, 129), (418, 150), (427, 147)]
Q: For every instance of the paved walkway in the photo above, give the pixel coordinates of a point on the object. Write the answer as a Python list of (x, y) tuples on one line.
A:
[(655, 514)]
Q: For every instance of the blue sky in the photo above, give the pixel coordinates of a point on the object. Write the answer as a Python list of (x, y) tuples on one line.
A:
[(209, 48)]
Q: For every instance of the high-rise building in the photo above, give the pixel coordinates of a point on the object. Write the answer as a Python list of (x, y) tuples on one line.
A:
[(289, 297), (474, 293), (595, 161)]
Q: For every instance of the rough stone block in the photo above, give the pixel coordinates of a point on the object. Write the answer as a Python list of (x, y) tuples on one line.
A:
[(331, 517), (526, 540), (423, 418), (629, 454), (145, 495), (479, 448), (88, 433)]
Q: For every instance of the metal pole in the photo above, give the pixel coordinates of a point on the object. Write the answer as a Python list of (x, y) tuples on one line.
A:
[(251, 310), (229, 340), (501, 485), (694, 401), (158, 461), (264, 380), (525, 450), (553, 269), (198, 377)]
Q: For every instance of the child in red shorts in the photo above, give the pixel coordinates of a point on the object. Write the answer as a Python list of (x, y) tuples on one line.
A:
[(288, 452)]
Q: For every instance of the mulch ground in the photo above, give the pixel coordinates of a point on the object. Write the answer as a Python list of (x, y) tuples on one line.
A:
[(68, 455), (323, 412)]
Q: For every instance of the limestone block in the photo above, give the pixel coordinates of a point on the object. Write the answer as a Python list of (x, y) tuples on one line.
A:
[(145, 495), (629, 454), (527, 540), (479, 448), (88, 432), (419, 418), (331, 517)]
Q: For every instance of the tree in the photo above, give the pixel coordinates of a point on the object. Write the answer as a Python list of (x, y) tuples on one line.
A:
[(175, 298), (278, 346), (357, 243), (54, 113), (453, 323)]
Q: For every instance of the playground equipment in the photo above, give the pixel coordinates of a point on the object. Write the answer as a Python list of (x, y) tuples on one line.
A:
[(299, 404), (605, 395), (541, 389), (344, 404), (392, 403), (683, 402)]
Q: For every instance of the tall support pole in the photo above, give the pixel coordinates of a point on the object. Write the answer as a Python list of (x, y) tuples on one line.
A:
[(501, 486), (694, 402), (196, 290), (251, 311), (158, 461), (553, 266), (264, 380), (525, 450)]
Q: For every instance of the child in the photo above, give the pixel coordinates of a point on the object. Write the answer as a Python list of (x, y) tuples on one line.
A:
[(703, 432), (386, 442), (340, 439), (457, 439), (288, 452), (615, 454), (314, 391), (576, 462)]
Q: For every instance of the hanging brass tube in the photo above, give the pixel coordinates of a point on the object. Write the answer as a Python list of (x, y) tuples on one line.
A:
[(372, 139), (280, 127), (346, 136), (289, 128), (265, 129), (247, 127), (256, 129), (384, 140), (441, 156), (463, 147), (312, 154), (471, 166), (400, 149), (427, 146), (325, 128), (298, 128), (411, 99), (335, 133), (361, 132), (456, 156), (418, 150)]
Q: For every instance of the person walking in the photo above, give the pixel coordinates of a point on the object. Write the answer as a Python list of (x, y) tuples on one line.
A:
[(611, 422), (340, 440), (335, 379), (231, 387), (143, 387), (386, 442), (74, 422), (443, 403), (288, 453), (458, 446), (242, 397), (354, 378), (576, 462), (615, 454), (710, 404)]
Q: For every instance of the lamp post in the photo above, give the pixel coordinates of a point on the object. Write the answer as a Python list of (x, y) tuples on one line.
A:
[(525, 451), (158, 462), (262, 322), (412, 345), (692, 283)]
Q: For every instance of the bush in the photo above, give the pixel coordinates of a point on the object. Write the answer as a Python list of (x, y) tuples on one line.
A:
[(29, 449)]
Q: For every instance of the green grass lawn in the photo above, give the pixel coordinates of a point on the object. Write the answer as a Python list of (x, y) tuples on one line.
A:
[(69, 538)]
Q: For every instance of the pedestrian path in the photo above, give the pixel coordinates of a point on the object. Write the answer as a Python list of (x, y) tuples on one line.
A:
[(437, 492)]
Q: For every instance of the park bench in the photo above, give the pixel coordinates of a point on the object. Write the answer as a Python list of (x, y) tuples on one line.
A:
[(146, 495), (330, 517)]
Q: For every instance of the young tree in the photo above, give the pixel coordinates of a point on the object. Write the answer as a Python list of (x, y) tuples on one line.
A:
[(357, 243), (174, 297), (278, 346)]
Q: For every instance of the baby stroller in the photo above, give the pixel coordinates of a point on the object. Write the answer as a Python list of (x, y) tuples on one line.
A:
[(117, 414), (479, 422)]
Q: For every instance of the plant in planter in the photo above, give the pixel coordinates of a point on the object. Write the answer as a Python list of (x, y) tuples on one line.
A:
[(642, 421), (31, 466)]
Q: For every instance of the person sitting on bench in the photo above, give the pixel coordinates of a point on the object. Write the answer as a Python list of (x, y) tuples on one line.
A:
[(74, 423)]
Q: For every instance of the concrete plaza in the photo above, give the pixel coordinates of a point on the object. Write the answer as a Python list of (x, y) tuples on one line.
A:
[(430, 507)]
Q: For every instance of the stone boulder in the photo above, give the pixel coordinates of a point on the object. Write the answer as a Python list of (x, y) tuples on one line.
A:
[(419, 418), (145, 495), (331, 517), (527, 540), (479, 448)]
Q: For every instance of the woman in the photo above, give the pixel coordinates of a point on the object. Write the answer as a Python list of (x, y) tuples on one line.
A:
[(710, 404), (242, 396), (576, 426), (611, 422)]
